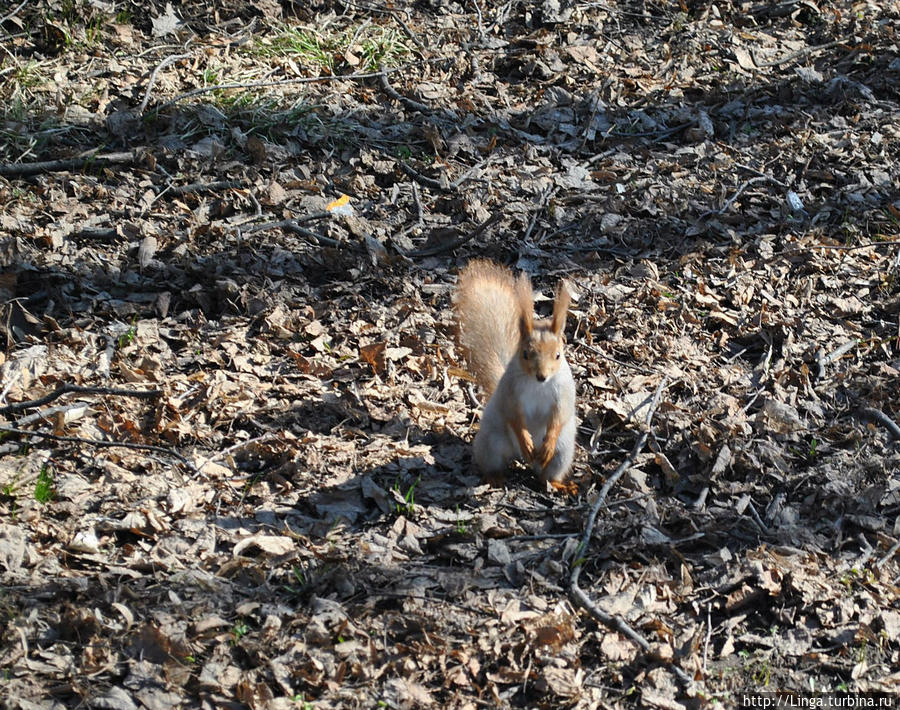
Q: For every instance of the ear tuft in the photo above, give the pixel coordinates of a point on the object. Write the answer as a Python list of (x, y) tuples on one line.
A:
[(560, 309), (525, 303)]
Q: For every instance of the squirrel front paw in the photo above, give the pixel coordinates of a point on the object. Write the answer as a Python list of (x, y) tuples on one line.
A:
[(545, 454), (527, 445)]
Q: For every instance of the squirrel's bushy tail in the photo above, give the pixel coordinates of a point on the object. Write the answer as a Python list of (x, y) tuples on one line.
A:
[(493, 313)]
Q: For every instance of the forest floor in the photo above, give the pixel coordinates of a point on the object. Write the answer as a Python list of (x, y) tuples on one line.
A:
[(234, 464)]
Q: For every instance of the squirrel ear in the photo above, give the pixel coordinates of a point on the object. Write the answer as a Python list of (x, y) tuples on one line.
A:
[(525, 301), (560, 309)]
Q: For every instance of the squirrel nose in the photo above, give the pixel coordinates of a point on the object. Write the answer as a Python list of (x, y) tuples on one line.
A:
[(540, 377)]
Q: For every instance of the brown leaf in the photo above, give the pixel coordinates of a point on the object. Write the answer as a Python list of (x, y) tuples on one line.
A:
[(374, 354)]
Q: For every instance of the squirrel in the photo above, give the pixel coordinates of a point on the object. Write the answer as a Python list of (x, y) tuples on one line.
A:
[(521, 366)]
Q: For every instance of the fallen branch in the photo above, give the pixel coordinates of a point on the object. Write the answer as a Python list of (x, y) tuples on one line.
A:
[(450, 246), (854, 247), (397, 96), (231, 449), (796, 55), (203, 187), (883, 419), (822, 360), (283, 222), (14, 12), (164, 63), (100, 443), (578, 595), (418, 177), (292, 225), (731, 200), (68, 387), (890, 553), (545, 199), (84, 163)]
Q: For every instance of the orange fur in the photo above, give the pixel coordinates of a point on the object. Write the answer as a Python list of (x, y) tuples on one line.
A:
[(491, 314), (519, 362)]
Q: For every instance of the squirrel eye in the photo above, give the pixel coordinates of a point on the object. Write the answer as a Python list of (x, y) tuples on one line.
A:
[(524, 354), (557, 355)]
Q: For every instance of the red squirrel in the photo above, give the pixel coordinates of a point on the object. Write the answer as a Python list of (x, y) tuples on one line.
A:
[(521, 365)]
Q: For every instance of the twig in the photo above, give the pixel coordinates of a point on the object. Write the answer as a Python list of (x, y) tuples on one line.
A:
[(648, 134), (465, 176), (409, 32), (205, 187), (83, 162), (164, 63), (890, 553), (14, 12), (67, 387), (708, 636), (751, 169), (545, 198), (579, 596), (267, 84), (293, 225), (763, 528), (95, 233), (479, 19), (397, 96), (418, 177), (799, 53), (281, 223), (730, 201), (45, 414), (835, 354), (881, 418), (419, 211), (843, 247), (450, 246), (100, 443), (231, 449)]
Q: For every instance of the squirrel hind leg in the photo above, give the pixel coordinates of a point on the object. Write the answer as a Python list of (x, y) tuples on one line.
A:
[(492, 455)]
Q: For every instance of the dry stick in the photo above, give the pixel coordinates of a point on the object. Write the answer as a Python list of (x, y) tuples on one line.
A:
[(881, 418), (292, 225), (578, 595), (450, 246), (418, 177), (14, 12), (835, 354), (659, 132), (393, 14), (890, 553), (844, 247), (397, 96), (67, 387), (281, 223), (101, 443), (164, 63), (465, 176), (205, 187), (45, 414), (480, 20), (545, 198), (799, 53), (83, 163), (730, 200), (231, 449)]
